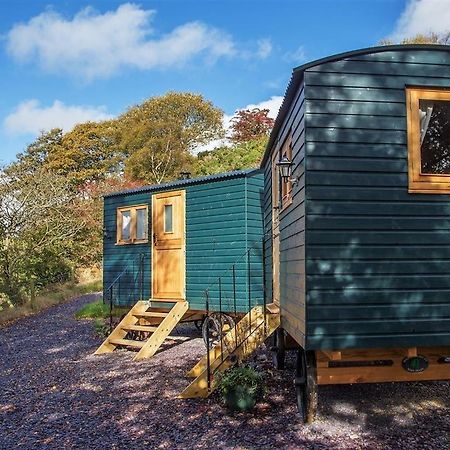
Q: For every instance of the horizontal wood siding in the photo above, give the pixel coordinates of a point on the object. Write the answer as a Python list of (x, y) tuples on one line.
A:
[(215, 240), (292, 226), (117, 258), (267, 222), (378, 258), (255, 227)]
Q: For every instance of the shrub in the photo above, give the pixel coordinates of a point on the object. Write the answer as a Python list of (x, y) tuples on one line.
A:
[(241, 387), (94, 310)]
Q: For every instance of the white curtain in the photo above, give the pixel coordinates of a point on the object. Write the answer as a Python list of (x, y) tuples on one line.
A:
[(425, 116)]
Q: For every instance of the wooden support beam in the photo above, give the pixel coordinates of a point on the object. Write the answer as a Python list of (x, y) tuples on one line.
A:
[(163, 330), (332, 355), (387, 366), (119, 332)]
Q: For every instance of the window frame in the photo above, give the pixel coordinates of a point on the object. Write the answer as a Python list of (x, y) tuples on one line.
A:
[(133, 224), (418, 182), (285, 187)]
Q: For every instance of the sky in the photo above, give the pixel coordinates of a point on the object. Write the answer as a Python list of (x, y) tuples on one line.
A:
[(65, 62)]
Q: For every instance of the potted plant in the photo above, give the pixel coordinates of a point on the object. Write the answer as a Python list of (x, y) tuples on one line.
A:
[(241, 387)]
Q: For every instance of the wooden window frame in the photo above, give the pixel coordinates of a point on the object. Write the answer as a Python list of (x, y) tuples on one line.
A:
[(133, 225), (419, 182), (286, 187)]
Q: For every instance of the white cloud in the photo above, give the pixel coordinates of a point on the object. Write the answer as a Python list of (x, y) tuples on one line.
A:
[(423, 16), (30, 117), (273, 104), (297, 56), (264, 48), (93, 45)]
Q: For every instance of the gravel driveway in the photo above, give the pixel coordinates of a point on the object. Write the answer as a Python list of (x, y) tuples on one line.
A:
[(54, 394)]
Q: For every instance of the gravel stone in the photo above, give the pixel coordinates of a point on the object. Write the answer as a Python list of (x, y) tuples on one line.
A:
[(54, 394)]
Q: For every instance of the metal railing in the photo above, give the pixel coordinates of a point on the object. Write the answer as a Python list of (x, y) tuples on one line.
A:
[(225, 305)]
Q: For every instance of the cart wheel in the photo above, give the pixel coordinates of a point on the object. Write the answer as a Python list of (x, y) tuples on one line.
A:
[(199, 323), (306, 385), (279, 349), (214, 327)]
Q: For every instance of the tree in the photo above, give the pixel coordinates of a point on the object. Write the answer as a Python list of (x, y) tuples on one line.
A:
[(160, 134), (245, 155), (420, 38), (89, 152), (36, 155), (249, 125), (38, 226)]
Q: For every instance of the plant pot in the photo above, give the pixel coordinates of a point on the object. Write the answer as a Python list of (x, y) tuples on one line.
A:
[(240, 398)]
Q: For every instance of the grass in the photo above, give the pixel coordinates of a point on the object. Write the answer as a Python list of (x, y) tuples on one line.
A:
[(53, 295), (94, 310)]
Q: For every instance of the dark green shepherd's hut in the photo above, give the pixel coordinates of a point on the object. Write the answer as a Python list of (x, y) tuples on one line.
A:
[(357, 182), (174, 240)]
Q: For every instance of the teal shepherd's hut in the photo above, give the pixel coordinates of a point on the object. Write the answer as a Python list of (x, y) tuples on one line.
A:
[(357, 223)]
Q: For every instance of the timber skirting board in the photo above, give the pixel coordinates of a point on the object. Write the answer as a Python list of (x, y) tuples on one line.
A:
[(327, 374)]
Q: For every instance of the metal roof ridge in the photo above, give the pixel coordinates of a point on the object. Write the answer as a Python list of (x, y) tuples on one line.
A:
[(186, 182)]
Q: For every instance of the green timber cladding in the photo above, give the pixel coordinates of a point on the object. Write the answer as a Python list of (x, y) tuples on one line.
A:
[(363, 263), (223, 222)]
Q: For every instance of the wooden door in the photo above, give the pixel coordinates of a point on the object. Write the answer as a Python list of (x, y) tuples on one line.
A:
[(168, 245), (275, 230)]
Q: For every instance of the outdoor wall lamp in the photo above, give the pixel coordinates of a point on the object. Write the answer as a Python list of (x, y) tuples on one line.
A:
[(285, 165)]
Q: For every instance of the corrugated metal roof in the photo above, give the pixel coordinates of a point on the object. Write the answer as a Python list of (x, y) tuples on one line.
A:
[(297, 76), (187, 182)]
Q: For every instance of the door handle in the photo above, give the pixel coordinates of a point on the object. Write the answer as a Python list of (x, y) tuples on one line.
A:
[(155, 239)]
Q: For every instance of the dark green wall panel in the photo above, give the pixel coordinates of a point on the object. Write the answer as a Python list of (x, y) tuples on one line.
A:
[(378, 258)]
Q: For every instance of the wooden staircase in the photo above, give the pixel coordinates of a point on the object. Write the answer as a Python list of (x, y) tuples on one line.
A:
[(149, 318), (238, 344)]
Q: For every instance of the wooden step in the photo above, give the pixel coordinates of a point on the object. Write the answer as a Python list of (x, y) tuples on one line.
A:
[(151, 314), (166, 300), (139, 328), (251, 331), (164, 328), (127, 343), (159, 330)]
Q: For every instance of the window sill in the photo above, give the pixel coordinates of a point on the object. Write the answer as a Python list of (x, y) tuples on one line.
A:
[(131, 243)]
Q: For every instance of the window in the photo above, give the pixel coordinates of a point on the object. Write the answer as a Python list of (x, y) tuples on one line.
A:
[(168, 219), (286, 186), (132, 224), (428, 117)]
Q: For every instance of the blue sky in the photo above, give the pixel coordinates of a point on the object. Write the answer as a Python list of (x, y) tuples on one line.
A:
[(70, 61)]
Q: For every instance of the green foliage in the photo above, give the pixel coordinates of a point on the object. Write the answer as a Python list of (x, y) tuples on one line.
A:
[(245, 155), (38, 227), (160, 134), (94, 310), (87, 153), (244, 376), (101, 328)]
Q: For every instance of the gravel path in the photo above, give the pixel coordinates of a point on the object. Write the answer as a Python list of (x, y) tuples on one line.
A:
[(54, 395)]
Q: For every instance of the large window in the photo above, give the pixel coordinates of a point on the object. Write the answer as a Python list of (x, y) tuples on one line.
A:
[(132, 224), (428, 114)]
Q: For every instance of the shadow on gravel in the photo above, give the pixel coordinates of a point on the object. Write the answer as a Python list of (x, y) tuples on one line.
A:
[(55, 394)]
